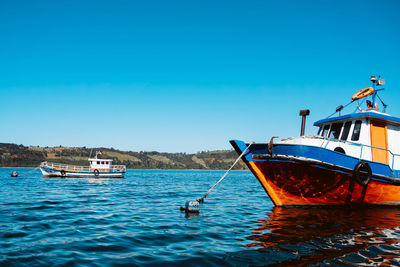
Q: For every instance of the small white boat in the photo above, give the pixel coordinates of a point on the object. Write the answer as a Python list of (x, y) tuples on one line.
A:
[(99, 168)]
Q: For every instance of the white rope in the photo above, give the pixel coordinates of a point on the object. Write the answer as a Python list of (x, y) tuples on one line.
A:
[(226, 173), (25, 174)]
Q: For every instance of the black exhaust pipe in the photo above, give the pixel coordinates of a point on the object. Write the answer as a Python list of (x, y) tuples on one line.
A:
[(303, 113)]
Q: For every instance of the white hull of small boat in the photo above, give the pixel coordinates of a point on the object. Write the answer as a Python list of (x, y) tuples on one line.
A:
[(99, 168), (49, 172)]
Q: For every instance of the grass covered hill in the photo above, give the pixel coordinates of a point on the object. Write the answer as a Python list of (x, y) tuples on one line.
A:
[(12, 155)]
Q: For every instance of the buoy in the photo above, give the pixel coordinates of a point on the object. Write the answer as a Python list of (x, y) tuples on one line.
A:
[(194, 206), (191, 207), (14, 174)]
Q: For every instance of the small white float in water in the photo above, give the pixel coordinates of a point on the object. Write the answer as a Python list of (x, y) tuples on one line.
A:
[(191, 207)]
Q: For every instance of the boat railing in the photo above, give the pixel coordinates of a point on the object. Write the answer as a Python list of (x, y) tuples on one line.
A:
[(64, 166), (115, 168), (361, 147)]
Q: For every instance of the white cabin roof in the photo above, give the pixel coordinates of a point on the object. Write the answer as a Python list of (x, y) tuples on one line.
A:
[(100, 159), (376, 115)]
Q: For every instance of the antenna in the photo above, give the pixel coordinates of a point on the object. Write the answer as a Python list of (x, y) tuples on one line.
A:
[(375, 83)]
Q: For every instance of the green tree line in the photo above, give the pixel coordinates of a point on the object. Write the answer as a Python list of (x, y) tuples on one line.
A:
[(13, 155)]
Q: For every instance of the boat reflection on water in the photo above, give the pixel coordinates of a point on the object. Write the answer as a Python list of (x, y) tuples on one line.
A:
[(303, 236)]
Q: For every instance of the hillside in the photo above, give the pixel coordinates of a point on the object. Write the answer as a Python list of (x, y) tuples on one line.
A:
[(12, 155)]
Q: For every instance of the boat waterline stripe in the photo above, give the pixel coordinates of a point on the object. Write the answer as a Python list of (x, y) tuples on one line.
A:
[(79, 171), (58, 169)]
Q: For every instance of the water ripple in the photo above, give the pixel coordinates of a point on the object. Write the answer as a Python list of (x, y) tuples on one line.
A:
[(136, 221)]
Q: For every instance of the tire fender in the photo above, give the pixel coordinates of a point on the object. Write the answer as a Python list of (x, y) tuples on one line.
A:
[(362, 173)]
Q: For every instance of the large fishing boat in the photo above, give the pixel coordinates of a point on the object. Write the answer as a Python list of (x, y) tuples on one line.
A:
[(354, 158), (98, 168)]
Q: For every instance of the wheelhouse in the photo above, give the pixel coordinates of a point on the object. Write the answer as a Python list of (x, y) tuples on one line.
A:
[(96, 163), (369, 135), (344, 130)]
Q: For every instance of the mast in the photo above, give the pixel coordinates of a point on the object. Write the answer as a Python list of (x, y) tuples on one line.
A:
[(376, 83)]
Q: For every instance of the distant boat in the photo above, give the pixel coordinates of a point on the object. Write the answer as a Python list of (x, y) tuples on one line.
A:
[(98, 168), (353, 159)]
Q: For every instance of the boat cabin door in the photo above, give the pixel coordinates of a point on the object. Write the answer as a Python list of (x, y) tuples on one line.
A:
[(379, 139)]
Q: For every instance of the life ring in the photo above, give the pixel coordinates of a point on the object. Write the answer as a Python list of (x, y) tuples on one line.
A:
[(362, 173), (96, 172), (362, 93), (63, 173)]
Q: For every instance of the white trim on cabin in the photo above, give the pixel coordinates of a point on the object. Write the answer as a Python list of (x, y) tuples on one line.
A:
[(352, 147), (96, 163)]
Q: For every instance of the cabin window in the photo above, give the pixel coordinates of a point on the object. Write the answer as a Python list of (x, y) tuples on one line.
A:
[(346, 130), (98, 162), (326, 130), (335, 130), (319, 130), (356, 131)]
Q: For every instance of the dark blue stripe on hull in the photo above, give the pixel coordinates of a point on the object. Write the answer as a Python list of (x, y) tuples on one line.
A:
[(380, 171)]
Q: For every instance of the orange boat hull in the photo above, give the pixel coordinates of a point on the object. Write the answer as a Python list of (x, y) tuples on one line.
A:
[(291, 183)]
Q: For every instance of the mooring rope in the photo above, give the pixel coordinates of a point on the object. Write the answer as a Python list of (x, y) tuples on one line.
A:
[(25, 174), (226, 173), (345, 106)]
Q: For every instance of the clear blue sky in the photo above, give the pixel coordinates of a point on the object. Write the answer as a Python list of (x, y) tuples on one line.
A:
[(186, 76)]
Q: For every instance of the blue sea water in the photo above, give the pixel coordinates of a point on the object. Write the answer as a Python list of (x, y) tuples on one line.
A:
[(137, 221)]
